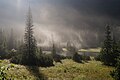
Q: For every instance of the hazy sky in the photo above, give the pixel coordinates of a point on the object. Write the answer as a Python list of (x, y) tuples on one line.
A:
[(81, 21)]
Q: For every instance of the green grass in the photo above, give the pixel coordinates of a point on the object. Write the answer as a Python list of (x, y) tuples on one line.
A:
[(69, 70)]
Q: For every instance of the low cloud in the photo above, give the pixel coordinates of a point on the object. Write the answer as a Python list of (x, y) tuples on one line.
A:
[(81, 22)]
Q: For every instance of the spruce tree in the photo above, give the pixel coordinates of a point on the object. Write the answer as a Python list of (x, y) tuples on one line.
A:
[(30, 46), (116, 73), (107, 51), (115, 49)]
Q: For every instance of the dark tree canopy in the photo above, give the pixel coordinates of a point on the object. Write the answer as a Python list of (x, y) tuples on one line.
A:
[(30, 46), (116, 73), (109, 51)]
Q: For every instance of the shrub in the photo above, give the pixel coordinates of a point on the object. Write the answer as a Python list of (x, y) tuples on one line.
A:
[(42, 60), (86, 58), (16, 59), (3, 54), (62, 57), (97, 58), (45, 60), (37, 59), (77, 57), (57, 58)]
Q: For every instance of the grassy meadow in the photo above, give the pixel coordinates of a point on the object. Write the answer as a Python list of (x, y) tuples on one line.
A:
[(68, 70)]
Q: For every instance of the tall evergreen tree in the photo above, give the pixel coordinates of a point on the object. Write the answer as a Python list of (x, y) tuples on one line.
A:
[(116, 52), (116, 49), (29, 52), (107, 49)]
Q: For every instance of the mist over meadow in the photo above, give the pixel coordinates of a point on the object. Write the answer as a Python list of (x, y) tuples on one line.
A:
[(52, 39)]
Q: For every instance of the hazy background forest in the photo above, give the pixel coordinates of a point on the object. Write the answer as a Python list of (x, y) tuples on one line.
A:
[(58, 39), (65, 20)]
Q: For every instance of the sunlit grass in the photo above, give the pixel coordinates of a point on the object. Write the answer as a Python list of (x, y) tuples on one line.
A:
[(94, 50), (69, 70)]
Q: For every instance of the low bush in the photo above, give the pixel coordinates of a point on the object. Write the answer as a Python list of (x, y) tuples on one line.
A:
[(42, 60), (97, 58), (45, 60), (88, 58), (57, 58), (77, 58), (16, 59)]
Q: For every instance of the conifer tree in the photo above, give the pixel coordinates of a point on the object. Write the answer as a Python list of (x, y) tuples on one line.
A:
[(116, 49), (106, 52), (116, 52), (29, 52)]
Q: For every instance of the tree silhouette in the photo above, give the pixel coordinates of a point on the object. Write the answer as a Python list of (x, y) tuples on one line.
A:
[(29, 52), (109, 51)]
